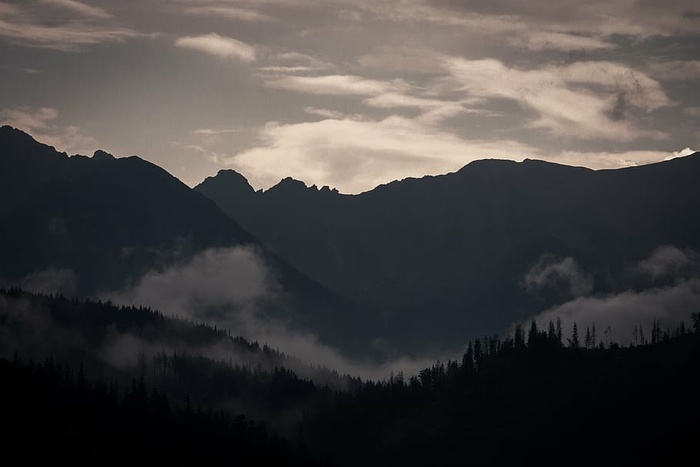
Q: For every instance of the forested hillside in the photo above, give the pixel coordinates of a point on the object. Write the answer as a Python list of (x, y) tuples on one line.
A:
[(197, 393)]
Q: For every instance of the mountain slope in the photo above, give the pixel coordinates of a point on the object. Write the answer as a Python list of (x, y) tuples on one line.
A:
[(446, 256), (91, 225)]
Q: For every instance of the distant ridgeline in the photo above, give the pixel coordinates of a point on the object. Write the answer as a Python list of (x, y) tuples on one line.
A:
[(126, 376), (435, 258)]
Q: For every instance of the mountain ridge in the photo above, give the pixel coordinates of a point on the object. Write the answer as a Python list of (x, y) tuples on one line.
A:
[(291, 181), (456, 248)]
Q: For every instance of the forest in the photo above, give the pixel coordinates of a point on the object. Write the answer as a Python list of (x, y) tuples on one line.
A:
[(532, 397)]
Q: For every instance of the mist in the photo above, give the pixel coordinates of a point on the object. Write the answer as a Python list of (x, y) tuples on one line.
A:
[(52, 280), (225, 288), (671, 297), (563, 276)]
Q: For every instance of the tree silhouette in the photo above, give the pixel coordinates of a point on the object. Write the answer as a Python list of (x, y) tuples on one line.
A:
[(574, 341), (559, 332)]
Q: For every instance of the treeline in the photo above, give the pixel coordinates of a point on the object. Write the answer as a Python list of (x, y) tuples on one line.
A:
[(111, 340), (535, 397), (530, 399), (52, 413), (178, 358)]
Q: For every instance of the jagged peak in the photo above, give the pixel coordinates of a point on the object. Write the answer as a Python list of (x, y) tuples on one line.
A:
[(101, 155), (230, 174), (290, 184), (228, 178)]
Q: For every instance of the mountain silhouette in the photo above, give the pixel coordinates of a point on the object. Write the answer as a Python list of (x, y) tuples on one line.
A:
[(441, 257), (109, 220)]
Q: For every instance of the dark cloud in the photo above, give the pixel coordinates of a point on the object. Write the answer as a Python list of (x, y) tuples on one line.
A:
[(65, 25), (620, 107)]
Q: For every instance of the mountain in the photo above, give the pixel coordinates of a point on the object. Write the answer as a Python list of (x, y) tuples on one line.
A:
[(444, 257), (93, 225)]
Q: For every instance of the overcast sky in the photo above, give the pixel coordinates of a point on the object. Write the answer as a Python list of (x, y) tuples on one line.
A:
[(353, 93)]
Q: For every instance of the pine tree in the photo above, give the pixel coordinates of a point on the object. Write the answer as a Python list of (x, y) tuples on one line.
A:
[(587, 339), (559, 333), (594, 339), (532, 335), (551, 331), (478, 355), (468, 360), (655, 332), (519, 337), (574, 343)]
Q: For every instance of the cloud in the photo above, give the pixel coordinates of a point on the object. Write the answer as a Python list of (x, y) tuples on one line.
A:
[(212, 279), (434, 110), (310, 350), (228, 12), (41, 124), (622, 312), (403, 58), (560, 275), (641, 20), (676, 70), (584, 100), (219, 46), (79, 7), (669, 301), (33, 27), (682, 153), (356, 155), (550, 40), (669, 261), (26, 118), (326, 113), (334, 85), (285, 70), (300, 58), (224, 287), (30, 331), (612, 160), (212, 131), (393, 94)]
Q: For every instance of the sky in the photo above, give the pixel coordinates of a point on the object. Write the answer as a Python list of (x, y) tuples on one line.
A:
[(353, 93)]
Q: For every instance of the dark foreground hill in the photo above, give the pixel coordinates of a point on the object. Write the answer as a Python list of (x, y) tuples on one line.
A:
[(541, 404), (532, 400), (55, 415), (180, 358), (442, 256)]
